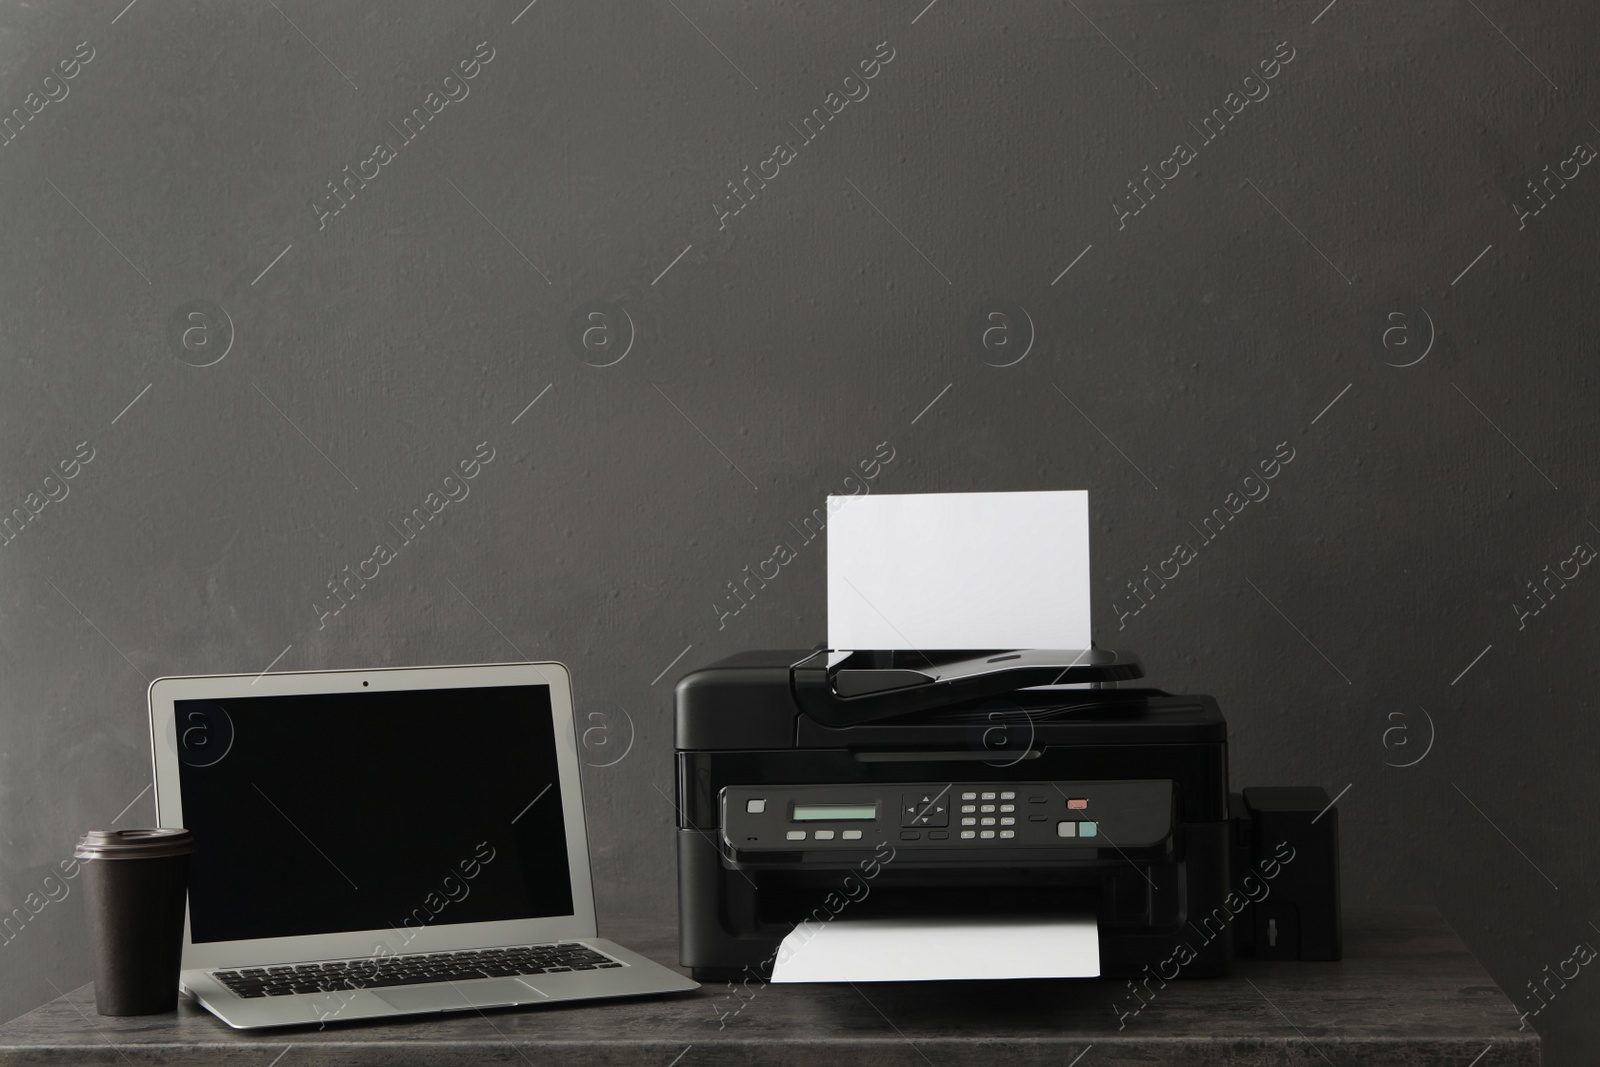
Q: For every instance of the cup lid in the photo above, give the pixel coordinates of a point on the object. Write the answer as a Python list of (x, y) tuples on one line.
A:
[(134, 844)]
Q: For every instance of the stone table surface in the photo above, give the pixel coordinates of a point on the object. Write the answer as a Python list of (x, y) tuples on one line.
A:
[(1407, 993)]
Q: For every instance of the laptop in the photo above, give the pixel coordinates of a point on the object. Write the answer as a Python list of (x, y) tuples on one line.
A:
[(387, 842)]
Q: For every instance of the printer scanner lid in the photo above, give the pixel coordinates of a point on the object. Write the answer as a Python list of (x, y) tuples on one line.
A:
[(786, 698)]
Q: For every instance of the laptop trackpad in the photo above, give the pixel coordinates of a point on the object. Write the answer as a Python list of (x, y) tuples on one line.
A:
[(483, 993)]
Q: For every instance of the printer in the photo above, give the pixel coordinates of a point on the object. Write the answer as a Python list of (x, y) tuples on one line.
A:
[(1022, 782)]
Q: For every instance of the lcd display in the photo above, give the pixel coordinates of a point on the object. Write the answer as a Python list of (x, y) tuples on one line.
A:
[(836, 812), (328, 812)]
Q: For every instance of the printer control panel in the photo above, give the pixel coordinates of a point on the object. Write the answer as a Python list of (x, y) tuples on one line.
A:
[(947, 815)]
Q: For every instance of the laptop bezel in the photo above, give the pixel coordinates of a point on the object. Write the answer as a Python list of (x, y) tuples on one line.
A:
[(445, 936)]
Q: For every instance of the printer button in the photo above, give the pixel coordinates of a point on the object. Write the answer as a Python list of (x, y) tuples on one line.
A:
[(987, 820), (852, 835), (1008, 796), (969, 796), (1077, 803), (795, 835), (1088, 829), (988, 796), (1066, 829), (969, 820), (968, 835), (985, 833), (1007, 807), (910, 835), (1008, 833), (824, 835), (1038, 800), (987, 808), (938, 835), (924, 809), (755, 807), (968, 809), (1005, 820), (1038, 818)]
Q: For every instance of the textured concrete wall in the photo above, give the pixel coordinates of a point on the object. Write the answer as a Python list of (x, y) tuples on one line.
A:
[(249, 378)]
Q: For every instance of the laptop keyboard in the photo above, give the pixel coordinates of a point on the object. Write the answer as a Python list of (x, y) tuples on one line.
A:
[(412, 970)]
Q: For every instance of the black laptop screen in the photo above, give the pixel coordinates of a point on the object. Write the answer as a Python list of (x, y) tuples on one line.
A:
[(328, 813)]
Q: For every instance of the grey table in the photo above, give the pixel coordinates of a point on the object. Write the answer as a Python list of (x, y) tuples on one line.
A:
[(1407, 992)]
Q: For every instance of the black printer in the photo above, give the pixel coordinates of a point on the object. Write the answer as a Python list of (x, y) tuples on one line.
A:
[(970, 783)]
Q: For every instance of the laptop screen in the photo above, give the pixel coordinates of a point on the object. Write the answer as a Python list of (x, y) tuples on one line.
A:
[(328, 813)]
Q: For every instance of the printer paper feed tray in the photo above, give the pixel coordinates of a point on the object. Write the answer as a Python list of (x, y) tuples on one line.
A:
[(843, 689)]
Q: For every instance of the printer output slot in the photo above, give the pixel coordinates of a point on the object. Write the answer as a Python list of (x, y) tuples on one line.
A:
[(1126, 898), (968, 755), (1051, 862)]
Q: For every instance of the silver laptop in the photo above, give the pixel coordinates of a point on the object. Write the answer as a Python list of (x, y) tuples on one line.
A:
[(389, 842)]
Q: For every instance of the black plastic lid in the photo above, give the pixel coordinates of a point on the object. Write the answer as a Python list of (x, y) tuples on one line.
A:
[(133, 844)]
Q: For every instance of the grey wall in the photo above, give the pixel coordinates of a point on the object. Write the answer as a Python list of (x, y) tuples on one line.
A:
[(1254, 291)]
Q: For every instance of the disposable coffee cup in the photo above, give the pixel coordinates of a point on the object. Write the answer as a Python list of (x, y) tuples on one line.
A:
[(135, 884)]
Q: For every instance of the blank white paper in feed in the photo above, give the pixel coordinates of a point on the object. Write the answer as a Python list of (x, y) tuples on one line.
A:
[(925, 571), (931, 950)]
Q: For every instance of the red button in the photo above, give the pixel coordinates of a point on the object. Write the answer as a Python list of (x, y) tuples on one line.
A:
[(1077, 803)]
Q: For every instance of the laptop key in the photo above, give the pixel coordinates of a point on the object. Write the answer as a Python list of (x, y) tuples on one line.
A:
[(413, 979)]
